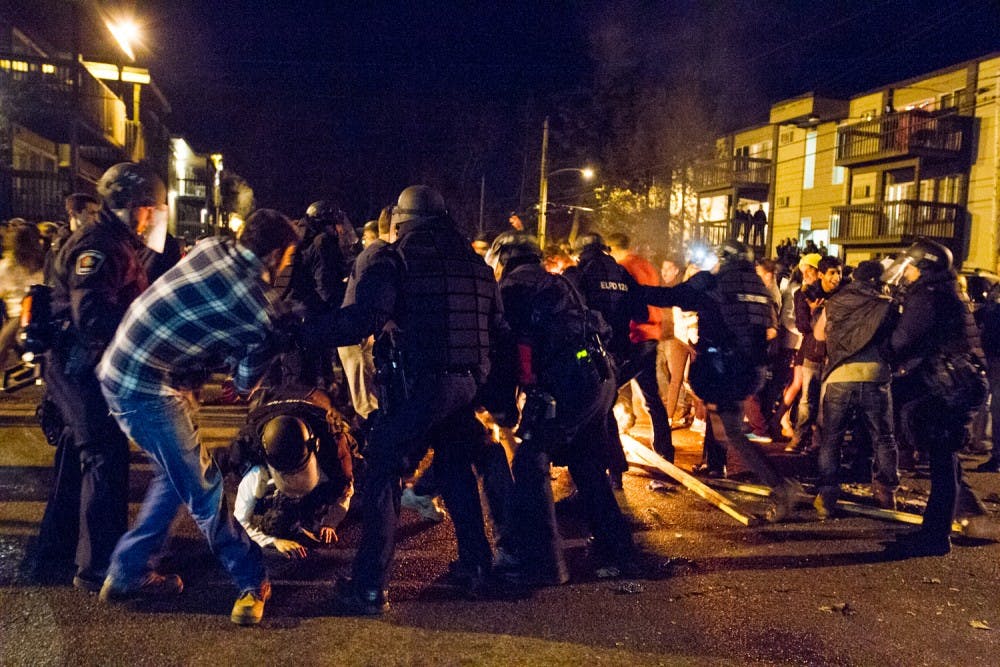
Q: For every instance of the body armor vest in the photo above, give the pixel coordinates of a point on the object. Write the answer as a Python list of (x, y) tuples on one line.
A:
[(745, 306), (605, 285), (447, 298)]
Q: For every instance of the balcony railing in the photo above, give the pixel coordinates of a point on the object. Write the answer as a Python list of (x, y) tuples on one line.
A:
[(41, 94), (896, 222), (913, 133), (737, 170), (33, 195), (712, 233)]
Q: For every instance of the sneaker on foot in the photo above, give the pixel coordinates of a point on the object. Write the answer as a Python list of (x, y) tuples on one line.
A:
[(249, 606), (152, 585), (698, 426), (425, 506), (759, 439), (824, 508)]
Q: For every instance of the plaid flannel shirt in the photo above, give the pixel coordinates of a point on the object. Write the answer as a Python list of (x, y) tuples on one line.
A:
[(210, 309)]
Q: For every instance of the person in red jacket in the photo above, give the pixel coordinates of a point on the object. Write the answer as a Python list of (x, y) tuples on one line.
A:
[(644, 337)]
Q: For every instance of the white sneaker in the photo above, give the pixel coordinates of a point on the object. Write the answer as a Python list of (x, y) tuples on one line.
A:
[(425, 506), (698, 426)]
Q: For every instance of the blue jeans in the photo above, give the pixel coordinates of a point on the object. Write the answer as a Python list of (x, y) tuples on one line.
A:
[(163, 426), (808, 415), (873, 402)]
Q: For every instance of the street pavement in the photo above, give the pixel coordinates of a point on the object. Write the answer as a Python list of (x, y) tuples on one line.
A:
[(713, 592)]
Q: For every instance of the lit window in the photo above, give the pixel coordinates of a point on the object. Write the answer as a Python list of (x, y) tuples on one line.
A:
[(838, 172), (809, 169), (48, 68)]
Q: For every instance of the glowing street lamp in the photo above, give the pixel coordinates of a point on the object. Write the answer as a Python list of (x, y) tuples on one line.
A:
[(126, 33)]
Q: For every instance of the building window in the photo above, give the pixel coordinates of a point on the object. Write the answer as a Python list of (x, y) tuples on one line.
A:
[(838, 172), (809, 170)]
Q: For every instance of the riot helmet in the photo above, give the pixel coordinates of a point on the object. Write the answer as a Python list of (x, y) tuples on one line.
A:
[(928, 255), (289, 451), (324, 212), (585, 241), (925, 255), (129, 185), (732, 250), (510, 245), (417, 202), (137, 195)]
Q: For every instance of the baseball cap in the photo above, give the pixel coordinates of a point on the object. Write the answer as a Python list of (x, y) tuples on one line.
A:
[(812, 259)]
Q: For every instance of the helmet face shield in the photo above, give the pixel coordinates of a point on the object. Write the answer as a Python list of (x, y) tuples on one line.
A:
[(298, 483), (895, 273)]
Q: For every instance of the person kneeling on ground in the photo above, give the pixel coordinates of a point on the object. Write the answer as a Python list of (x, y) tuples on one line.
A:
[(296, 458)]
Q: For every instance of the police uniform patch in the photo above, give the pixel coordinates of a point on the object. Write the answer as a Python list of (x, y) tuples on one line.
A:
[(89, 261)]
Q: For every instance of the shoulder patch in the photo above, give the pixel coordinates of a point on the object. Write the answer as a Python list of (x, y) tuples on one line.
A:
[(89, 261)]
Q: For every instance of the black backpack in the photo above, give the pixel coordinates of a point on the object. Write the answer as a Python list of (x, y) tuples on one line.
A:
[(567, 332)]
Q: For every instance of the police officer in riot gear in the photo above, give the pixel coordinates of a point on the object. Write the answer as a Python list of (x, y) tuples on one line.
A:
[(569, 386), (734, 314), (935, 326), (610, 290), (435, 308), (96, 275), (318, 282)]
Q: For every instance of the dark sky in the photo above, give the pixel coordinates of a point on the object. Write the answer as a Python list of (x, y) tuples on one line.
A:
[(357, 100)]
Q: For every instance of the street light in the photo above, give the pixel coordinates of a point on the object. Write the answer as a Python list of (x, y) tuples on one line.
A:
[(587, 173), (126, 33)]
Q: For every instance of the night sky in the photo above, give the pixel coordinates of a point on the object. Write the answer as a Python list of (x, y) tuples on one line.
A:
[(355, 101)]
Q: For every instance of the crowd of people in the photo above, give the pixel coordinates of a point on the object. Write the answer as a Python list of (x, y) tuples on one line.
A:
[(435, 336)]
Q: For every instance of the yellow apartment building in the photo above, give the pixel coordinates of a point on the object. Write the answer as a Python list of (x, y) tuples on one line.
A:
[(869, 174)]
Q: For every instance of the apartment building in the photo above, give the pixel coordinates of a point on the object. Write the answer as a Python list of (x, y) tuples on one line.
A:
[(65, 119), (868, 174)]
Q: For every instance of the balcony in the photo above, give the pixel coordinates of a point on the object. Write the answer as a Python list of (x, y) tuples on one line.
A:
[(906, 134), (712, 233), (896, 223), (737, 171), (33, 195), (43, 98)]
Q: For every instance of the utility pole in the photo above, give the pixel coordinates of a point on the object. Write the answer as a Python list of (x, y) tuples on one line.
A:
[(543, 185)]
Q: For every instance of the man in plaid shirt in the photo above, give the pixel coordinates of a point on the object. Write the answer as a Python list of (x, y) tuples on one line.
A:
[(209, 310)]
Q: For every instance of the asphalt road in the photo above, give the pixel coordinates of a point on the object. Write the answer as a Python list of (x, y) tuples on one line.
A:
[(713, 592)]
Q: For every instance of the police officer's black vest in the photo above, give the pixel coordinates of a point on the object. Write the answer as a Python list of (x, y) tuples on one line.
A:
[(745, 308), (604, 283), (447, 296)]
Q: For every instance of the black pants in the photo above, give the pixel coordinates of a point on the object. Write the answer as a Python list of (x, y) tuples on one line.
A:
[(439, 415), (91, 476), (930, 427), (577, 439)]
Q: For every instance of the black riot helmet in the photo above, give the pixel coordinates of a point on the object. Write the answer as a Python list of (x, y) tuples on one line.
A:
[(325, 212), (511, 245), (585, 241), (928, 255), (128, 185), (288, 443), (732, 250)]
